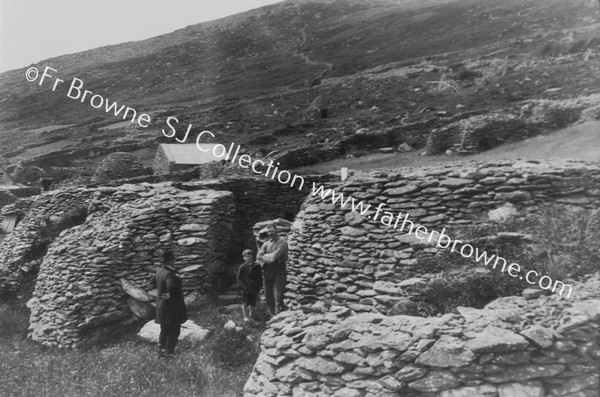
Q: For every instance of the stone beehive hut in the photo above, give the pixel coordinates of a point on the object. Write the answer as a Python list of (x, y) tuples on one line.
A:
[(119, 165), (513, 347), (359, 262), (46, 216), (93, 249), (81, 278)]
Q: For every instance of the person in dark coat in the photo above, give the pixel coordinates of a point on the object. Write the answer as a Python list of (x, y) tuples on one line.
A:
[(249, 276), (170, 306)]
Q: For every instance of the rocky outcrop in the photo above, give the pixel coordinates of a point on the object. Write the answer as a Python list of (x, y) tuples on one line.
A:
[(339, 255), (190, 332), (512, 347)]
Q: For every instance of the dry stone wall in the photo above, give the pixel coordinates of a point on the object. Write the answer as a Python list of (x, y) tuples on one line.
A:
[(530, 118), (338, 255), (96, 246), (43, 217), (511, 348), (47, 215), (84, 276), (257, 199)]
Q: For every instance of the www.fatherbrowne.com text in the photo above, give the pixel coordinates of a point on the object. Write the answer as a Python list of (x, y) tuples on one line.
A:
[(401, 222)]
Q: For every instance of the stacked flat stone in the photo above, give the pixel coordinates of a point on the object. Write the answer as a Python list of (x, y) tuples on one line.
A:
[(529, 118), (512, 347), (119, 165), (80, 282), (45, 213), (339, 255), (256, 199)]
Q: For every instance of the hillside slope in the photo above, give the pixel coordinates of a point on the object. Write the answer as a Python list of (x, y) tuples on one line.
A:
[(252, 77)]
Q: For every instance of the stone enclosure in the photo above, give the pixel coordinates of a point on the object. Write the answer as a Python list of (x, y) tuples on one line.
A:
[(90, 252), (511, 348), (338, 255), (347, 271)]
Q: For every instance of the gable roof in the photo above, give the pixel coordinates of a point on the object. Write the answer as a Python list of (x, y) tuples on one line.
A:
[(180, 153)]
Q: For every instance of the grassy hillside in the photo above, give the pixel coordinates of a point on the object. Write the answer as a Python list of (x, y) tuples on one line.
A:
[(253, 78)]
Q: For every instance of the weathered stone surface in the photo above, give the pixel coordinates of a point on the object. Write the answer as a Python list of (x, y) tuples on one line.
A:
[(512, 197), (387, 287), (502, 214), (404, 306), (575, 384), (455, 182), (190, 332), (494, 339), (352, 231), (400, 191), (447, 352), (395, 340), (320, 365), (527, 389), (533, 293), (410, 372), (539, 336), (435, 381), (526, 372), (471, 391)]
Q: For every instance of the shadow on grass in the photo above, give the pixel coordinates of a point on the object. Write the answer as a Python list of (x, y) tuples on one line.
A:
[(128, 367)]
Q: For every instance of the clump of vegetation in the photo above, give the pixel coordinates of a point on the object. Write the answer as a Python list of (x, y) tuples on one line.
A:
[(232, 349), (565, 246), (473, 289)]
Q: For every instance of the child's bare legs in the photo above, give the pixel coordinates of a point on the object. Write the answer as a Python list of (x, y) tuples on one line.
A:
[(250, 312), (246, 310)]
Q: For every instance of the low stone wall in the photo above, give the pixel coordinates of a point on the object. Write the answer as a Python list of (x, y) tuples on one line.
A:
[(80, 284), (529, 118), (511, 348), (339, 255)]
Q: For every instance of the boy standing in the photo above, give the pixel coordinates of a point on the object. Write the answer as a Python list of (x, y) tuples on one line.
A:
[(249, 276)]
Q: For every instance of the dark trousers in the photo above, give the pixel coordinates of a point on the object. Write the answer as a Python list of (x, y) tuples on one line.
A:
[(167, 340), (274, 279)]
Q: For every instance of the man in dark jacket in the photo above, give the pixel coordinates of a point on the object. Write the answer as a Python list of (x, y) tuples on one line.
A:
[(170, 306)]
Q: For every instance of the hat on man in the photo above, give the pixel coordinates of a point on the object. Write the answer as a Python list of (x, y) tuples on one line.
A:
[(168, 259)]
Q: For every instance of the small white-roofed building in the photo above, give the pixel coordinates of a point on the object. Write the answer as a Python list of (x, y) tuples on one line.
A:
[(178, 156)]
